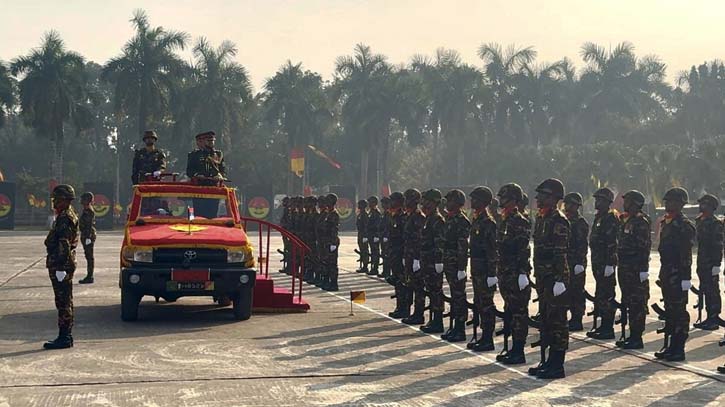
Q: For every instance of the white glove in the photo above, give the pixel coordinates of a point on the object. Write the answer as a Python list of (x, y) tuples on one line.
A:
[(376, 240), (716, 270), (491, 281), (416, 265), (559, 288), (608, 271), (333, 248), (157, 174), (643, 276), (578, 269), (365, 239), (523, 281), (461, 275), (686, 285), (439, 268), (385, 240), (88, 241), (60, 275)]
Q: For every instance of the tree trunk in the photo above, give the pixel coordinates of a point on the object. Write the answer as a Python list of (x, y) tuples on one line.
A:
[(364, 161)]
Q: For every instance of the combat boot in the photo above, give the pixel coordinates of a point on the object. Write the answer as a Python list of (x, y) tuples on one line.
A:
[(663, 352), (721, 369), (398, 299), (63, 341), (677, 349), (318, 280), (373, 271), (633, 342), (308, 277), (710, 324), (604, 332), (332, 286), (516, 355), (575, 324), (435, 325), (416, 318), (362, 270), (533, 371), (485, 344), (555, 368), (88, 279), (458, 334)]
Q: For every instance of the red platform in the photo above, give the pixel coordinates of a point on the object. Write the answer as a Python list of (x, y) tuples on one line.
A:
[(268, 298)]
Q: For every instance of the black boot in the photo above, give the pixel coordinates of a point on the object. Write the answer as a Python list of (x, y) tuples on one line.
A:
[(485, 344), (721, 369), (459, 332), (677, 349), (398, 302), (449, 331), (332, 286), (710, 324), (435, 325), (363, 269), (605, 331), (664, 351), (555, 368), (575, 324), (373, 271), (533, 371), (416, 318), (516, 355), (88, 279), (63, 341), (633, 342)]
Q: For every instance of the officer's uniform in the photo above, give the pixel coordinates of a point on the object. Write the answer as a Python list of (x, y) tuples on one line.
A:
[(207, 163)]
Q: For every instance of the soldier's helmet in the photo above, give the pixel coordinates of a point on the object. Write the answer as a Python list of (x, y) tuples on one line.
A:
[(482, 194), (432, 195), (510, 192), (311, 200), (63, 191), (551, 186), (285, 201), (411, 196), (676, 194), (573, 198), (331, 199), (397, 197), (87, 196), (711, 200), (206, 134), (456, 196), (524, 199), (385, 201), (373, 200), (322, 200), (604, 193), (362, 204), (149, 134), (635, 196)]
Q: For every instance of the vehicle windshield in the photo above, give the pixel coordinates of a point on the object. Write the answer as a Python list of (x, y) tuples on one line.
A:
[(165, 207)]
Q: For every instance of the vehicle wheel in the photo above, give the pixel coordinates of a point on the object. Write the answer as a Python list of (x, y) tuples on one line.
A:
[(225, 301), (129, 305), (243, 304)]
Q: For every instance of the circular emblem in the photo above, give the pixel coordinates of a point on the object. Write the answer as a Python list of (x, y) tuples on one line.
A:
[(187, 228), (5, 205), (258, 207), (101, 205), (344, 208)]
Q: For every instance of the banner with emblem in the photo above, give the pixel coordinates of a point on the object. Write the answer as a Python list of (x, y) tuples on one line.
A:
[(345, 205), (7, 205), (258, 202), (103, 202)]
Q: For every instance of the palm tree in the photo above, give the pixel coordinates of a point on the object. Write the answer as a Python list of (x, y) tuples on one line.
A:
[(364, 88), (219, 89), (701, 92), (7, 93), (295, 102), (145, 71), (51, 92)]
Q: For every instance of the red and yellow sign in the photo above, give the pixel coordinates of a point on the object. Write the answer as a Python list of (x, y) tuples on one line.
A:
[(101, 205), (259, 207), (345, 208), (6, 205)]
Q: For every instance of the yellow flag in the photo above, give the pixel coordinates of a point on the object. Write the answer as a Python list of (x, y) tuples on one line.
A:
[(357, 297)]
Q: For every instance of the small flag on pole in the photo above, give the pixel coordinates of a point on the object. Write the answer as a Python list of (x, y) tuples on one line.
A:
[(358, 297), (191, 213)]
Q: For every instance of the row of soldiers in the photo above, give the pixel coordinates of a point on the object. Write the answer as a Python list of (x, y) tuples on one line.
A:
[(421, 242), (316, 222)]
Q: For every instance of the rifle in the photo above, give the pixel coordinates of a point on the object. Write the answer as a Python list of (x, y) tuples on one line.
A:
[(662, 314), (594, 313), (541, 343), (623, 317), (359, 259), (505, 331), (700, 302)]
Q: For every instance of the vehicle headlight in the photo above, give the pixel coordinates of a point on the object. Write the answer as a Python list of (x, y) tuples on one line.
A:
[(143, 255), (236, 256)]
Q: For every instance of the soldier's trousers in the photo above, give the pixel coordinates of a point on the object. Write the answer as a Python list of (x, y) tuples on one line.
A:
[(433, 283), (678, 319), (384, 257), (374, 254), (482, 295), (63, 292), (364, 253), (88, 253), (554, 325), (459, 306), (605, 291), (576, 285), (516, 303), (635, 296), (710, 288), (331, 269), (414, 284)]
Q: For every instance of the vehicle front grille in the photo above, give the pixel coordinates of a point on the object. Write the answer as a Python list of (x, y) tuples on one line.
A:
[(188, 257)]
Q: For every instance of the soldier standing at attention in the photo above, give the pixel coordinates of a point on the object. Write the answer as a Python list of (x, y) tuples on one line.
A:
[(709, 258), (284, 222), (633, 247), (375, 223), (493, 210), (362, 235), (455, 262), (321, 251), (603, 243), (675, 248), (310, 238), (577, 259), (484, 266), (60, 245), (205, 164), (431, 258), (412, 287), (147, 160), (384, 227), (395, 254), (551, 243), (87, 226), (512, 241), (331, 242), (523, 205)]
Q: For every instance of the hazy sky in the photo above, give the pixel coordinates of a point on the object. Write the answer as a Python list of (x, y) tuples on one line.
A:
[(315, 32)]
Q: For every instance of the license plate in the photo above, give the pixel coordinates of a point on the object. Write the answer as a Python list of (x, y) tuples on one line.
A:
[(190, 286)]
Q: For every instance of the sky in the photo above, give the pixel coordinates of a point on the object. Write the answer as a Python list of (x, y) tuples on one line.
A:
[(316, 32)]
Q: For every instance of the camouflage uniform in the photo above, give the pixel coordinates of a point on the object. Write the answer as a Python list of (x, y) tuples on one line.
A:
[(514, 252), (455, 258), (146, 162), (330, 228), (321, 272), (87, 227), (603, 244), (412, 283), (577, 256), (633, 248), (484, 264), (310, 236), (375, 219), (206, 163), (431, 253), (61, 244), (709, 255), (385, 222), (362, 234), (395, 256)]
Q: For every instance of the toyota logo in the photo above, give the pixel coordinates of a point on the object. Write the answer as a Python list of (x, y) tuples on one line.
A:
[(190, 255)]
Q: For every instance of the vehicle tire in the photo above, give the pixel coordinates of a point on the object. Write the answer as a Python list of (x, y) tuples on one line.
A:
[(225, 301), (129, 305), (243, 304)]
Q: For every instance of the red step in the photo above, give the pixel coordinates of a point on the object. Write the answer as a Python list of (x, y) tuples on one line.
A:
[(268, 298)]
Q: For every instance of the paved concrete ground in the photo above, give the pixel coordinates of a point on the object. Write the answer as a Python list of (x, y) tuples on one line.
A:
[(193, 353)]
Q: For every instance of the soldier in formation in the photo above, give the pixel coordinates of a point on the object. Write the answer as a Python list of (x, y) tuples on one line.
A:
[(412, 284), (384, 228), (147, 160), (375, 223), (431, 258), (87, 226), (329, 241), (310, 237), (362, 235), (577, 259), (455, 262), (396, 253), (709, 258)]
